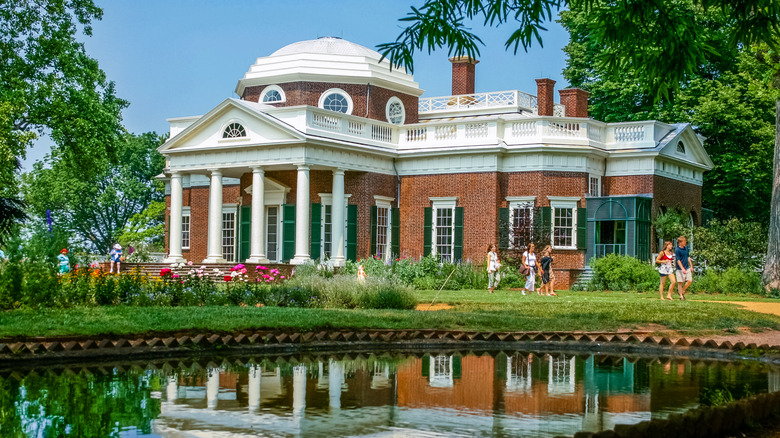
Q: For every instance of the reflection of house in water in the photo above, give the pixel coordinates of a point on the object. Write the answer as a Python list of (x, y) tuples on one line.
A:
[(446, 393)]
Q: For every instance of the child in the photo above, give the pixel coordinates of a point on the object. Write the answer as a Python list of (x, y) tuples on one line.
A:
[(64, 261), (547, 275), (116, 257), (361, 275)]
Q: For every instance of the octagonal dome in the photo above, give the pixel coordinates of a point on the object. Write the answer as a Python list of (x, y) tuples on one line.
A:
[(327, 60), (327, 46)]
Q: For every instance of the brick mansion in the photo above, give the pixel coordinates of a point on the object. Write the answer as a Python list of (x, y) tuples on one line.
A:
[(329, 154)]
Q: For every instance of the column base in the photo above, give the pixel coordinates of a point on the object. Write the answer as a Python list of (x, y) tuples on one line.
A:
[(300, 260), (214, 259), (257, 260), (174, 259), (338, 262)]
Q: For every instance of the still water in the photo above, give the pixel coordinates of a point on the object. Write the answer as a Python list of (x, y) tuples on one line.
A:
[(448, 394)]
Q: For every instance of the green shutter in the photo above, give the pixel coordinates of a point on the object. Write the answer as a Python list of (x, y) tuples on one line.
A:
[(428, 231), (352, 211), (582, 228), (458, 251), (316, 228), (457, 367), (395, 236), (373, 230), (288, 231), (244, 233), (503, 228), (542, 233), (426, 365)]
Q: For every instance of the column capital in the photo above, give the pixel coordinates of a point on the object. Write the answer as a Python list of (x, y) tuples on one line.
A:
[(215, 171), (302, 166), (258, 169), (176, 174), (339, 171)]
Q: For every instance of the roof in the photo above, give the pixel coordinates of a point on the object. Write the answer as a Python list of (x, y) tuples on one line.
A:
[(327, 46)]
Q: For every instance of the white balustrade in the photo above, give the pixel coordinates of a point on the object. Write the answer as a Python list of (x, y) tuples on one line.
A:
[(446, 132), (477, 130), (496, 99), (629, 133), (523, 129)]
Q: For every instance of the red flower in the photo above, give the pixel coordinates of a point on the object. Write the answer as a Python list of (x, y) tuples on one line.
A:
[(228, 278), (165, 272)]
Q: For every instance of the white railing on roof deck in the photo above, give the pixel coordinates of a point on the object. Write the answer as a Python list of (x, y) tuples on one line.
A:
[(352, 125), (511, 99)]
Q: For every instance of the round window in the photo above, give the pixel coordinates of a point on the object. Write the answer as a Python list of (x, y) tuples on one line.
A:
[(336, 100), (234, 130), (272, 94), (394, 111)]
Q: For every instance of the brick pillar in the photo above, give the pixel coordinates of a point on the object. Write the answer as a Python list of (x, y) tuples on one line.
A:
[(576, 102), (545, 93), (463, 74)]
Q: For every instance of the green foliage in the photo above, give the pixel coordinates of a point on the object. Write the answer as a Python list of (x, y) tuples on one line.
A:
[(622, 273), (730, 244), (115, 201), (673, 224), (732, 281), (427, 273)]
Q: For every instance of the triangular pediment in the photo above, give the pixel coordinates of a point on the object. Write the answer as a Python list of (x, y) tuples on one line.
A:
[(207, 132), (685, 145)]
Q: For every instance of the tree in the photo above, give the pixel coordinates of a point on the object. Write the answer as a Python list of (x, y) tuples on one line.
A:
[(49, 84), (663, 42), (97, 208)]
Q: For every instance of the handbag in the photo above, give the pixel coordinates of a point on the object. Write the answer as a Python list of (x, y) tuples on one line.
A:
[(525, 271)]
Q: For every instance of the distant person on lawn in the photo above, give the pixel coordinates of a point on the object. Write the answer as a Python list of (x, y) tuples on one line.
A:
[(63, 261), (665, 261), (493, 264), (116, 257), (530, 262), (548, 279), (682, 255)]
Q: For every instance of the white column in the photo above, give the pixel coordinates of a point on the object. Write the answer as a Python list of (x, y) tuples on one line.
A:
[(215, 218), (337, 219), (212, 388), (302, 243), (299, 390), (255, 374), (335, 379), (257, 235), (174, 222)]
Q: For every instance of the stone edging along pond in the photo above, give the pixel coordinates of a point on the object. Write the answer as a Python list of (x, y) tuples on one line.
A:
[(64, 349)]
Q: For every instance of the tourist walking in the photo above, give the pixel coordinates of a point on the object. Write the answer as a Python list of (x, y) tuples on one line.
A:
[(665, 262), (548, 278), (63, 261), (530, 268), (682, 256), (115, 256), (492, 267)]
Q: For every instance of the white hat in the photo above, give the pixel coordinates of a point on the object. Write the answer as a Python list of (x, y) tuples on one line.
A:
[(117, 246)]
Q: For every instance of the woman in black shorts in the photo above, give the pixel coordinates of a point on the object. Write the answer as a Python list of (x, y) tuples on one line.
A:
[(547, 275)]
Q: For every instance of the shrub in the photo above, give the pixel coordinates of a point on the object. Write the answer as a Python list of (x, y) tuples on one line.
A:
[(730, 244), (730, 281), (619, 272)]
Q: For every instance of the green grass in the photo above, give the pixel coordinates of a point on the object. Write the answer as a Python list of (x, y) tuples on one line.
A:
[(472, 310)]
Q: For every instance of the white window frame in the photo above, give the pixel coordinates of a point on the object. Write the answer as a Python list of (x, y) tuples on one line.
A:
[(229, 209), (443, 203), (391, 101), (516, 202), (597, 178), (440, 371), (326, 200), (222, 137), (279, 227), (186, 212), (384, 202), (350, 105), (564, 202), (276, 88)]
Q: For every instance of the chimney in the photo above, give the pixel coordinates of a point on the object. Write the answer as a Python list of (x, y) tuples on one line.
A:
[(576, 102), (545, 92), (463, 74)]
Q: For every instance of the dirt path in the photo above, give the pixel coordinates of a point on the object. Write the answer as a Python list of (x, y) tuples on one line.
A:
[(769, 308)]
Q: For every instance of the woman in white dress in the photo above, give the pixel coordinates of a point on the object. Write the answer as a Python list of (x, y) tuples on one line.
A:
[(530, 262), (492, 267)]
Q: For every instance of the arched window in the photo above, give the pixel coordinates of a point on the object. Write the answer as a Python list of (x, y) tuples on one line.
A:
[(394, 111), (680, 147), (272, 94), (234, 130), (337, 100)]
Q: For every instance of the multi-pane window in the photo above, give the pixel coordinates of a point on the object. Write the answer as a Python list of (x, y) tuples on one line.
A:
[(595, 186), (521, 222), (229, 236), (563, 227), (394, 111), (271, 96), (441, 371), (382, 231), (327, 231), (185, 230), (336, 102), (234, 130), (272, 234), (444, 232)]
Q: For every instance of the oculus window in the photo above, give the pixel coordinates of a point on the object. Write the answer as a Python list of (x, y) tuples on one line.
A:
[(234, 130), (337, 100)]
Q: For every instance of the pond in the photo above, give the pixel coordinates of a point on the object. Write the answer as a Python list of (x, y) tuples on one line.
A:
[(514, 393)]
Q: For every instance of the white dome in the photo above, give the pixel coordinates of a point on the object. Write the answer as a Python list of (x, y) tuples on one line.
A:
[(327, 46)]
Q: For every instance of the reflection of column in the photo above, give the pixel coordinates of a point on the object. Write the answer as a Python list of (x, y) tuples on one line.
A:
[(572, 380), (337, 219), (302, 247), (299, 390), (253, 388), (257, 235), (174, 221), (215, 218), (212, 388), (172, 390), (774, 380), (335, 379)]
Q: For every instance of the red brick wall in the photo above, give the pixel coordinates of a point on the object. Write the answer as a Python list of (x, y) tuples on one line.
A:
[(363, 186), (576, 102), (671, 193), (463, 75), (545, 96), (308, 93), (197, 198), (541, 184), (627, 185)]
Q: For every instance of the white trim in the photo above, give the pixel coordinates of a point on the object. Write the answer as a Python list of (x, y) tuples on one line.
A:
[(272, 88), (564, 199), (564, 202), (520, 199), (444, 201), (392, 100), (598, 185), (186, 211), (448, 203), (383, 201), (516, 202), (327, 198), (326, 93)]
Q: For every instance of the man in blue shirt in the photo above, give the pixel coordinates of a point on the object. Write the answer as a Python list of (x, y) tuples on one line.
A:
[(682, 256)]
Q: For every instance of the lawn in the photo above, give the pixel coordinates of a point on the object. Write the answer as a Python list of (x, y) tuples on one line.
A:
[(472, 310)]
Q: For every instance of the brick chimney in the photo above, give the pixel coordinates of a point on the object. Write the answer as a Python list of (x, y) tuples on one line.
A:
[(545, 93), (576, 102), (463, 74)]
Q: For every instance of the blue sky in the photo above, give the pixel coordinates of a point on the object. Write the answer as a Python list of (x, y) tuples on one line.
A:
[(180, 58)]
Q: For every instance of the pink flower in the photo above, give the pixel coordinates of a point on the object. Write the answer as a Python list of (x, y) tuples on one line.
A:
[(175, 275), (189, 263), (243, 270), (282, 277), (266, 276)]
